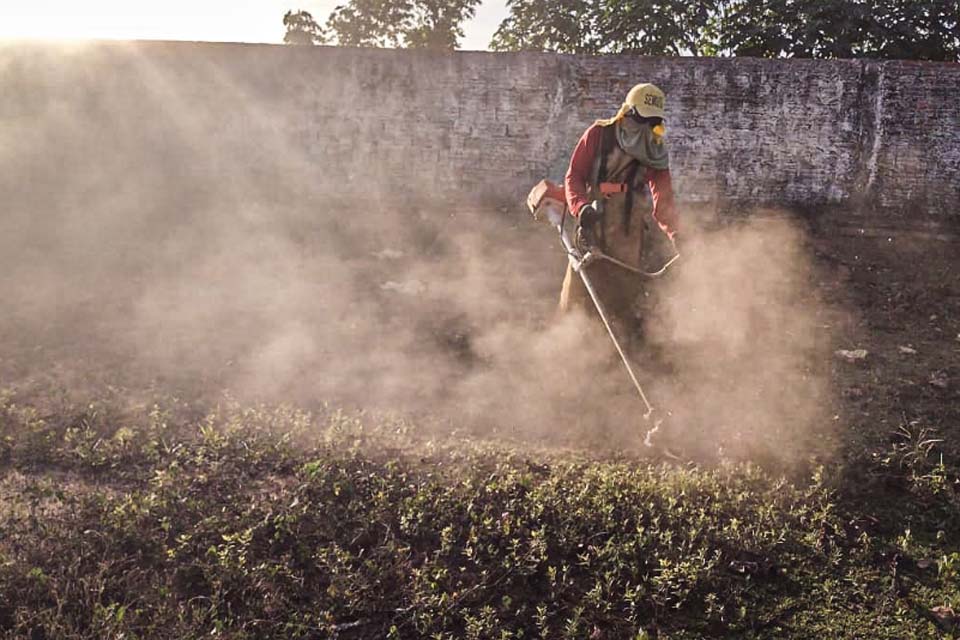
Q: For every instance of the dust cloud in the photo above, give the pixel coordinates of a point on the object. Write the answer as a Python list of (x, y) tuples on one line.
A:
[(162, 232), (747, 336)]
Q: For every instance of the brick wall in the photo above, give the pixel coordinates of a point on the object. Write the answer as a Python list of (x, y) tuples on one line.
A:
[(879, 140), (911, 159)]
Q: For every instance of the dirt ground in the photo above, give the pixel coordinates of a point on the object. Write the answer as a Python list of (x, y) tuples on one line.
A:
[(902, 294)]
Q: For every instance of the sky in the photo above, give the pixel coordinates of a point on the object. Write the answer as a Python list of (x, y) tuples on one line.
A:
[(213, 20)]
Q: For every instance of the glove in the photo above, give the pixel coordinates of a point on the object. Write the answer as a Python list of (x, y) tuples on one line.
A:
[(588, 216)]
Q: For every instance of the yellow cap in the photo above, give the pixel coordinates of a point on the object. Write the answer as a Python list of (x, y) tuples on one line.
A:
[(647, 99)]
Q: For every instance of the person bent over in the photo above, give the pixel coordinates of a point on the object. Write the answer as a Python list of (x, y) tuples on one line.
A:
[(612, 166)]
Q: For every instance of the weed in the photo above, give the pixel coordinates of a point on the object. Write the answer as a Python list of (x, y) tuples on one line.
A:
[(260, 522)]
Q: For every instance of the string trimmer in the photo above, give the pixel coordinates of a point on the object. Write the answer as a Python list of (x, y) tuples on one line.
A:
[(546, 201)]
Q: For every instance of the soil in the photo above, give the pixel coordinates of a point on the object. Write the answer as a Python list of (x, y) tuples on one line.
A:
[(901, 294)]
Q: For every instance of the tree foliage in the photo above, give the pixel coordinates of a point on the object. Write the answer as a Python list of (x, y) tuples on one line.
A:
[(431, 24), (898, 29), (650, 27), (564, 26), (926, 30), (302, 29), (888, 29)]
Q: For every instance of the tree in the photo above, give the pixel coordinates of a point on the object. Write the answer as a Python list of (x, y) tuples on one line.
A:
[(438, 24), (917, 29), (923, 30), (794, 28), (650, 27), (564, 26), (911, 29), (302, 29), (431, 24), (658, 27)]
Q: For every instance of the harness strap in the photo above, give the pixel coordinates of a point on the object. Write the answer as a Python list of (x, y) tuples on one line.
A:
[(628, 198), (607, 140)]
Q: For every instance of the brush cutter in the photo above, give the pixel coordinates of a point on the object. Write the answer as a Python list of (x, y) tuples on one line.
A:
[(547, 201)]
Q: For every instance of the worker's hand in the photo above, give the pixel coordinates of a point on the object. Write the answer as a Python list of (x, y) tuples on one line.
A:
[(586, 236), (588, 216)]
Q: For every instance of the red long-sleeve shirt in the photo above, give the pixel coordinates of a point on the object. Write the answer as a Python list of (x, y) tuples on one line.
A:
[(578, 177)]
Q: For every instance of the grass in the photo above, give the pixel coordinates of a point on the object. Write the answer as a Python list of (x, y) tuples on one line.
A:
[(173, 521), (127, 513)]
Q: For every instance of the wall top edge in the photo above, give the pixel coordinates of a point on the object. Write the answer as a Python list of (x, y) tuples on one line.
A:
[(74, 45)]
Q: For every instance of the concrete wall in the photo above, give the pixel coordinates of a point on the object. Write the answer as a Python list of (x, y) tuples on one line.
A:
[(881, 140)]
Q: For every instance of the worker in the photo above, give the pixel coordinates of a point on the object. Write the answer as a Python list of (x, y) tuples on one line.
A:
[(611, 167)]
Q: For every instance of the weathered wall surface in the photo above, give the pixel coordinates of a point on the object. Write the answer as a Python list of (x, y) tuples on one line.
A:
[(880, 139), (912, 159)]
